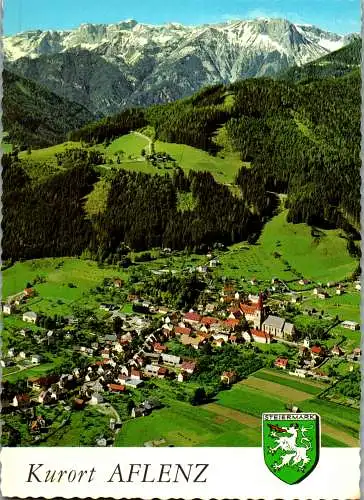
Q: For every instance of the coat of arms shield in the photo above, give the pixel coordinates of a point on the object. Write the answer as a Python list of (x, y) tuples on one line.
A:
[(291, 444)]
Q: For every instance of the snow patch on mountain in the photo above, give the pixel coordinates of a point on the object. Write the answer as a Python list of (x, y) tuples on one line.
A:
[(131, 63)]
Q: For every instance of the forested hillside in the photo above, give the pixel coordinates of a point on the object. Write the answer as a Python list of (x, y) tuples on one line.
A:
[(35, 117), (299, 139), (302, 139)]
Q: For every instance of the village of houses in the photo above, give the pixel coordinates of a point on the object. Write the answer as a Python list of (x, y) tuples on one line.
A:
[(115, 364)]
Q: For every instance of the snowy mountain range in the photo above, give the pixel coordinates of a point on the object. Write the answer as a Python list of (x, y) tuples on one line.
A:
[(107, 67)]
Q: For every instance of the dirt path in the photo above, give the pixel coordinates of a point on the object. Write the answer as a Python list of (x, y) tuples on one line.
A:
[(148, 139), (287, 394)]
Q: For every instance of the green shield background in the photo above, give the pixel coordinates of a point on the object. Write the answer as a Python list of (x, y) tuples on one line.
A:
[(292, 455)]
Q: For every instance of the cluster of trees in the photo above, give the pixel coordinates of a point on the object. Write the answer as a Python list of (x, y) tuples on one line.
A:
[(142, 212), (303, 140), (180, 292), (110, 127), (47, 219), (212, 362), (349, 386), (74, 156)]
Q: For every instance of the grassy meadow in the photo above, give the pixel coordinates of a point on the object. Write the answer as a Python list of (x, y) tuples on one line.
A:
[(224, 167), (55, 295), (323, 259)]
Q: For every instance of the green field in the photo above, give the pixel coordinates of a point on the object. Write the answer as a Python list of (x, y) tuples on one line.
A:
[(325, 259), (235, 418), (181, 424), (35, 371), (47, 154), (130, 145), (55, 295), (223, 167), (294, 383), (346, 306)]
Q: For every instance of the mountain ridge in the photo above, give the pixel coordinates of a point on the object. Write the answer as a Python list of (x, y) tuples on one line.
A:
[(33, 116), (138, 64)]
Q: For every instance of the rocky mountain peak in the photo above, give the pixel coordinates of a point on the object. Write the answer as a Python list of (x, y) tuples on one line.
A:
[(153, 63)]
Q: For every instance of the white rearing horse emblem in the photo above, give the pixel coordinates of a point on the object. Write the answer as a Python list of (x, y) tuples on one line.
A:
[(295, 455)]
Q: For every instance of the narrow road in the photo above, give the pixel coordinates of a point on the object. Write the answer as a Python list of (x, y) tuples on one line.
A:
[(148, 139)]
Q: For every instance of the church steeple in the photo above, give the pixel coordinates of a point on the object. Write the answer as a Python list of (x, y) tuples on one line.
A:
[(260, 302), (259, 313)]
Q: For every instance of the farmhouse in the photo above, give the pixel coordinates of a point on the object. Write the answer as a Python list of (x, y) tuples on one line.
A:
[(228, 377), (350, 325), (356, 353), (317, 351), (21, 401), (179, 330), (8, 308), (304, 281), (281, 363), (189, 366), (320, 293), (192, 318), (29, 292), (30, 317), (182, 376), (337, 351), (296, 298)]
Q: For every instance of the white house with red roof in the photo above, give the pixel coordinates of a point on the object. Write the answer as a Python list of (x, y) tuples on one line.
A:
[(189, 366), (181, 330), (208, 321), (281, 363), (317, 351), (192, 318), (260, 336)]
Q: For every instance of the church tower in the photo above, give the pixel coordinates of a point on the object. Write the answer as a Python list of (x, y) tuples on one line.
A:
[(259, 313)]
